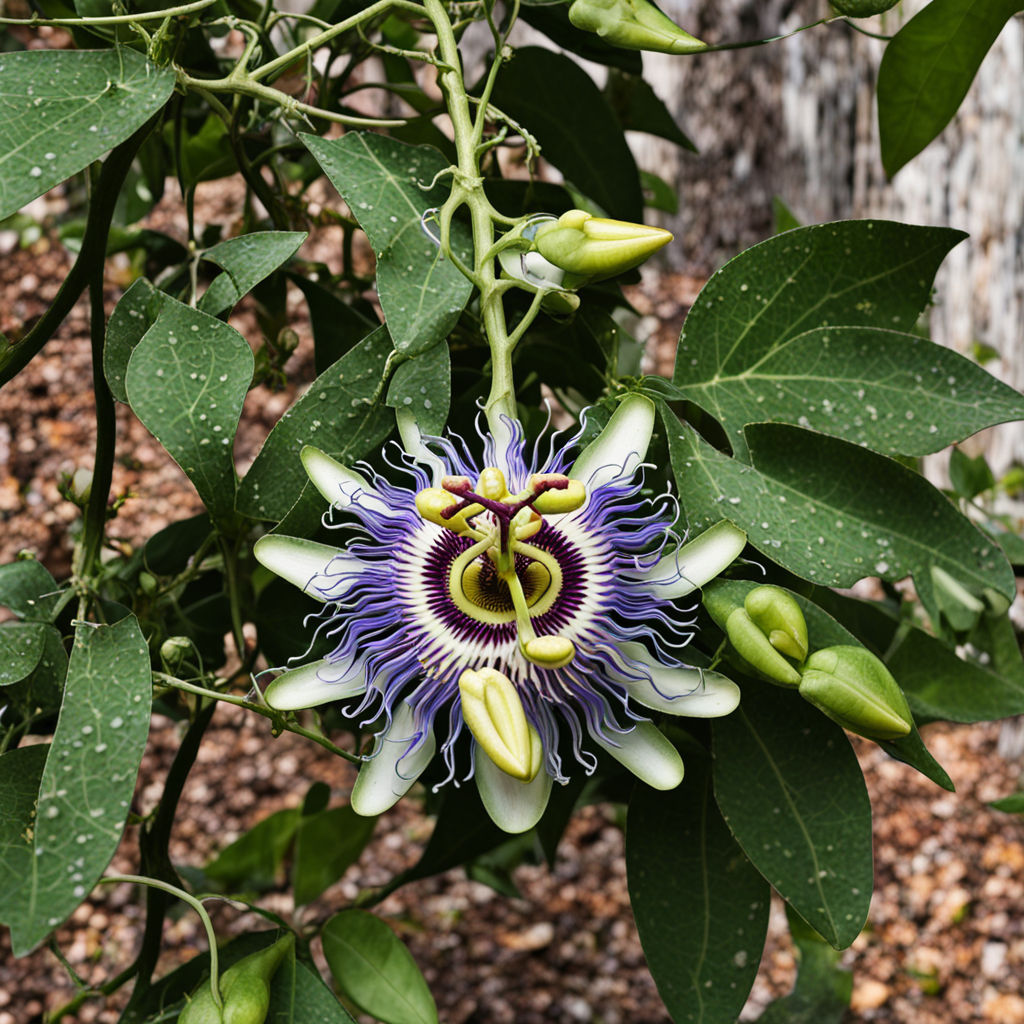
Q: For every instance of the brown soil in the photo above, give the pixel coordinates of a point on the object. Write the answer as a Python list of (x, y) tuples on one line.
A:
[(945, 941)]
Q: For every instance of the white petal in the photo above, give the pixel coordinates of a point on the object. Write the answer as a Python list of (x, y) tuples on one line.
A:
[(694, 563), (412, 442), (299, 561), (379, 786), (514, 806), (315, 684), (620, 447), (678, 691), (647, 754), (337, 483)]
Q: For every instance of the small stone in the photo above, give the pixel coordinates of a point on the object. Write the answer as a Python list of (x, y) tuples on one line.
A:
[(869, 994)]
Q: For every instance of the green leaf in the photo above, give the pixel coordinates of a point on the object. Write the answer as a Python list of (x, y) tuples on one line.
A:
[(533, 88), (62, 109), (327, 845), (1012, 804), (832, 512), (939, 685), (423, 385), (186, 381), (700, 906), (763, 341), (254, 859), (20, 772), (822, 991), (969, 476), (658, 193), (375, 971), (246, 260), (21, 647), (791, 790), (927, 69), (340, 413), (783, 218), (87, 784), (638, 108), (298, 995), (134, 314), (28, 590), (387, 186)]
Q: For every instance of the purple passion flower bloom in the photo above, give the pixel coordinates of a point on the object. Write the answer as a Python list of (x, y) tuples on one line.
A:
[(528, 600)]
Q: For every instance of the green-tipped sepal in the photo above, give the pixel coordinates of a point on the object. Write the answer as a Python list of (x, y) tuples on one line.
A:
[(855, 689), (594, 247), (633, 25)]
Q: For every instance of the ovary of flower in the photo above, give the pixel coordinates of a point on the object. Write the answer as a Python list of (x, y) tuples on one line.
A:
[(552, 582)]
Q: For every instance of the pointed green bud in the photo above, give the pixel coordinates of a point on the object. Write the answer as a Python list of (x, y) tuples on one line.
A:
[(748, 639), (776, 613), (494, 713), (595, 247), (633, 25), (855, 689), (244, 989)]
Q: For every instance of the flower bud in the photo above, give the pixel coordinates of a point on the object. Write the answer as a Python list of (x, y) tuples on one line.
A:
[(855, 689), (776, 613), (494, 713), (750, 642), (173, 652), (633, 25), (594, 247), (244, 989)]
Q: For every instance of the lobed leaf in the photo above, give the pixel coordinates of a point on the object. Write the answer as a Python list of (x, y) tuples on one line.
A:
[(62, 109), (832, 512)]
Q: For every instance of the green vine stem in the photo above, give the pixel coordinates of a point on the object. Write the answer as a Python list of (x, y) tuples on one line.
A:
[(197, 906), (115, 19)]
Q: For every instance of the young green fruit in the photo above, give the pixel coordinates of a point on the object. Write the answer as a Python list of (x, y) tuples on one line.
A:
[(633, 25), (244, 989), (855, 689)]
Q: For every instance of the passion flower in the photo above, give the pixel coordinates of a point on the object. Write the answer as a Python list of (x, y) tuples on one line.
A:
[(529, 601)]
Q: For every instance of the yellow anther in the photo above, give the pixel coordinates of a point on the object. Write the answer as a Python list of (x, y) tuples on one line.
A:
[(494, 713), (492, 484), (432, 502), (568, 496), (549, 651)]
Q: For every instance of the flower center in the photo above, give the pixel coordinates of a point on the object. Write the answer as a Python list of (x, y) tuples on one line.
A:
[(500, 577)]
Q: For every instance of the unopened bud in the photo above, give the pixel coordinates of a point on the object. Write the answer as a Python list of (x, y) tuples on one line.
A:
[(750, 642), (595, 247), (173, 652), (633, 25), (855, 689), (493, 711), (776, 613)]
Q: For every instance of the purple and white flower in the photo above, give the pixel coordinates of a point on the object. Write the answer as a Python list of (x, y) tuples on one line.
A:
[(530, 601)]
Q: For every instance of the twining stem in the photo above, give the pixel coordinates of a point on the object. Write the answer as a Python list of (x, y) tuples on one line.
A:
[(116, 19)]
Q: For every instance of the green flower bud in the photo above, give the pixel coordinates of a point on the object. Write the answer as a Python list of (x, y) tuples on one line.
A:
[(594, 247), (776, 613), (244, 989), (750, 642), (854, 688), (633, 25), (173, 652)]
